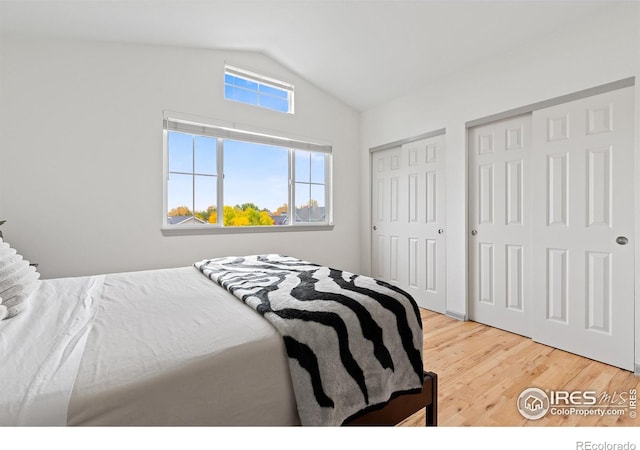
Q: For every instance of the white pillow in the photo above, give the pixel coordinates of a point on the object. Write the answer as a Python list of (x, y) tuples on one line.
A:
[(18, 280), (10, 269), (6, 254), (3, 310)]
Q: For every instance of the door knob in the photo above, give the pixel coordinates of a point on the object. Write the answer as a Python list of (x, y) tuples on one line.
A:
[(622, 240), (375, 228), (440, 231), (474, 232)]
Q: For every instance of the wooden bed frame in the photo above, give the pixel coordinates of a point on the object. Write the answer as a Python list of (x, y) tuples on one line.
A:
[(404, 406)]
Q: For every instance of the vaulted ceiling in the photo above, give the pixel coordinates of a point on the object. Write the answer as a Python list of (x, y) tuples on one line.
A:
[(364, 52)]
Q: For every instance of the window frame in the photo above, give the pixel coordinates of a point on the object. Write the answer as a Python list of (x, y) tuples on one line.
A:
[(260, 80), (174, 122)]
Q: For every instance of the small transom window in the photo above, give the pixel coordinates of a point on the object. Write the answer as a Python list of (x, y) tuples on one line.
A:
[(254, 89)]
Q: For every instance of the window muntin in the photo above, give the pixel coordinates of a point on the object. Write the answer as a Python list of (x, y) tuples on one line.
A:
[(254, 89), (254, 176)]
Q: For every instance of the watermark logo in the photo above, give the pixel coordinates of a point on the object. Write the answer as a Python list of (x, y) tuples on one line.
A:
[(533, 403), (589, 445)]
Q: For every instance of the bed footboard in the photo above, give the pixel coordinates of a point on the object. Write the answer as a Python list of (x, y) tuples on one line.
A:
[(404, 406)]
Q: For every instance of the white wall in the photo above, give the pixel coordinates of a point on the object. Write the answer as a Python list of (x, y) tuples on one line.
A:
[(81, 154), (599, 50)]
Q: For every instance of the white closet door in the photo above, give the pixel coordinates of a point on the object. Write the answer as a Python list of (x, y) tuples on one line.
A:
[(385, 179), (408, 217), (583, 207), (500, 224)]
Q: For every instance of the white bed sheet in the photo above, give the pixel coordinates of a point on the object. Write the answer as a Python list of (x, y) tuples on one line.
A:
[(41, 349), (170, 347)]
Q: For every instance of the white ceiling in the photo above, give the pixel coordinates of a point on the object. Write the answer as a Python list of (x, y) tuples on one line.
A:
[(363, 52)]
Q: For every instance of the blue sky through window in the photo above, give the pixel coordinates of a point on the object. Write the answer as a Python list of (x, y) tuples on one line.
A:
[(254, 173), (254, 93), (192, 171)]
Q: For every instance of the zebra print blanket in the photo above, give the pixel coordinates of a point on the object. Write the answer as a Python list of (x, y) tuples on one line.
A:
[(353, 342)]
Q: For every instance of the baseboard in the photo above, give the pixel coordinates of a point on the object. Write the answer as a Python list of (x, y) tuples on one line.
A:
[(455, 315), (637, 371)]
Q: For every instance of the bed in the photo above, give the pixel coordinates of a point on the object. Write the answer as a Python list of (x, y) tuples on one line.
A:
[(180, 347)]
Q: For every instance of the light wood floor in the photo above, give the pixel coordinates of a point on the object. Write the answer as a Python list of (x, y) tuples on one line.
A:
[(482, 371)]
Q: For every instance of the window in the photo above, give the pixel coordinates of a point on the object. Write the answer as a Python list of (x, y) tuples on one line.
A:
[(310, 185), (223, 178), (253, 89)]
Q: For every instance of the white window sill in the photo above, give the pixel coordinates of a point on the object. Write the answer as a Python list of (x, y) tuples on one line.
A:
[(195, 230)]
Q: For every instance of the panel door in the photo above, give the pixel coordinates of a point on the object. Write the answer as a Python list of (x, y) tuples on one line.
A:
[(500, 224), (408, 217), (583, 227)]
